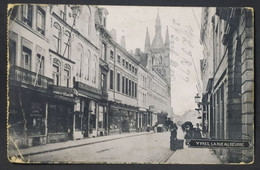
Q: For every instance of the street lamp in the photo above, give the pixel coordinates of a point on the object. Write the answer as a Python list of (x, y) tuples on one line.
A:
[(197, 98)]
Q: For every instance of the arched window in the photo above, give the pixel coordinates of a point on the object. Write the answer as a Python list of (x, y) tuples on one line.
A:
[(89, 64), (95, 69), (80, 61)]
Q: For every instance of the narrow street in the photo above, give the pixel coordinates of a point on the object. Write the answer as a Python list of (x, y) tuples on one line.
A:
[(148, 148)]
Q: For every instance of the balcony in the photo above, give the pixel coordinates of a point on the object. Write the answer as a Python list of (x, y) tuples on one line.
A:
[(21, 76)]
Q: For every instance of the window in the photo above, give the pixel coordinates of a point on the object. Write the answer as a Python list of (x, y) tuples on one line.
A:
[(130, 87), (123, 62), (40, 20), (135, 71), (89, 65), (135, 90), (40, 64), (95, 70), (57, 37), (123, 84), (126, 83), (67, 75), (26, 58), (111, 54), (12, 52), (130, 66), (67, 45), (103, 82), (27, 14), (111, 79), (63, 13), (118, 58), (127, 64), (56, 74), (103, 51), (118, 82)]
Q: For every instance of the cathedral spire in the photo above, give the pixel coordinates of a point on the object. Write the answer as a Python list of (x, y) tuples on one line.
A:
[(147, 44), (158, 40), (167, 39)]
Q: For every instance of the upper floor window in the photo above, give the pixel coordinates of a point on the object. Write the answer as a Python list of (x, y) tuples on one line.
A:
[(40, 64), (130, 67), (57, 38), (133, 69), (103, 51), (27, 13), (111, 79), (118, 82), (111, 54), (126, 64), (67, 75), (26, 58), (118, 58), (123, 62), (40, 20), (56, 72), (67, 44), (63, 13), (89, 65), (12, 47), (123, 84)]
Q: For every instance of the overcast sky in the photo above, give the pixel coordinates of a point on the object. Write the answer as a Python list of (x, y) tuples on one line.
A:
[(184, 30)]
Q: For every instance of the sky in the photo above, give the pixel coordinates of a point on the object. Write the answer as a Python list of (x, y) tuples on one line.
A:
[(186, 50)]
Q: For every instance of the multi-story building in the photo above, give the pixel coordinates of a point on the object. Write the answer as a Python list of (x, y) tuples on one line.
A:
[(229, 88), (70, 79)]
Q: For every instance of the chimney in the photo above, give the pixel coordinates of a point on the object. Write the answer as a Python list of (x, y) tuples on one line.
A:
[(122, 43), (113, 32), (137, 51)]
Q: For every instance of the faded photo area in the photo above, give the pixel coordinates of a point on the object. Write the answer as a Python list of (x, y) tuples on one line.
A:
[(130, 84)]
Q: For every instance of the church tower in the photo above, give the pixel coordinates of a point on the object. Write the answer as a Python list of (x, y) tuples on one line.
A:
[(160, 51), (147, 44)]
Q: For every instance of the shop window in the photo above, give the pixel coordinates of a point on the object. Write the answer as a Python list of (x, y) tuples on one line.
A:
[(40, 20), (101, 117), (118, 82), (78, 121), (36, 120), (27, 13), (57, 37), (26, 58), (111, 86)]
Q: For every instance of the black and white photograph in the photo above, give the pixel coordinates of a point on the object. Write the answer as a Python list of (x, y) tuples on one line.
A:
[(108, 84)]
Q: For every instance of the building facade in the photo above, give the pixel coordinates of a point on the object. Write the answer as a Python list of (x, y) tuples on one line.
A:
[(70, 79), (229, 88)]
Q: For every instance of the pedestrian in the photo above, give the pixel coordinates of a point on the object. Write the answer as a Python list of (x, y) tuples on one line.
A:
[(197, 132), (173, 130)]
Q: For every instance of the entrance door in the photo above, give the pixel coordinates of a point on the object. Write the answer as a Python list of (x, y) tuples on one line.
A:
[(125, 126)]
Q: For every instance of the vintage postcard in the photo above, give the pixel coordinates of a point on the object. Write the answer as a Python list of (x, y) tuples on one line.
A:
[(130, 84)]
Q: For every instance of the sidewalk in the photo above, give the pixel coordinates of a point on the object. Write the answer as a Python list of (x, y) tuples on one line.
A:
[(70, 144), (192, 155)]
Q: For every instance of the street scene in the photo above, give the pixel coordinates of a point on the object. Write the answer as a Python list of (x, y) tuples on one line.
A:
[(130, 84)]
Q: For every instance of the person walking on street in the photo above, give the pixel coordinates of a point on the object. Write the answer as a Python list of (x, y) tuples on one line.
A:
[(197, 132)]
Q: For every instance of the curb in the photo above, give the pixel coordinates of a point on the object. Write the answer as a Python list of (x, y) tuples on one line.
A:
[(79, 145)]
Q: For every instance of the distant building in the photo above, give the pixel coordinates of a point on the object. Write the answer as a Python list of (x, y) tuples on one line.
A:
[(228, 78)]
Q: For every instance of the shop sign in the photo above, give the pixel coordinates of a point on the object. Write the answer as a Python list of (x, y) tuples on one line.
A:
[(208, 143)]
